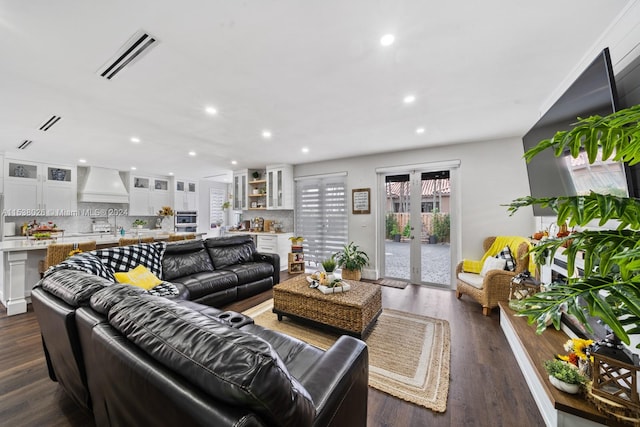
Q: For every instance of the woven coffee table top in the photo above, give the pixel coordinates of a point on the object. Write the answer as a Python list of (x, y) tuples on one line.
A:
[(357, 296)]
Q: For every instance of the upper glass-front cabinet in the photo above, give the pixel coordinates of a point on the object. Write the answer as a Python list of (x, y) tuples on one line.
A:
[(240, 190), (280, 187)]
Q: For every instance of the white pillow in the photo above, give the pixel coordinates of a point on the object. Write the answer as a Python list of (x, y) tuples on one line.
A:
[(492, 263)]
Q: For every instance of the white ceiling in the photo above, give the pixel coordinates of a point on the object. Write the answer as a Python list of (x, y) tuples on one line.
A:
[(312, 72)]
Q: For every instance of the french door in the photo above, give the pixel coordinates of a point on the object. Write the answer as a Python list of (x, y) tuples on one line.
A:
[(417, 222)]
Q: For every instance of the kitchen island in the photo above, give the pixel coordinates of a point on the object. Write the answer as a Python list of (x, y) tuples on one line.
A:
[(20, 271)]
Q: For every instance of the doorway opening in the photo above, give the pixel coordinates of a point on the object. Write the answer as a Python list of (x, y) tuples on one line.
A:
[(418, 227)]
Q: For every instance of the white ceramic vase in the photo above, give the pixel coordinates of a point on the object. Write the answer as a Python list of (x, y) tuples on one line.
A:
[(566, 387)]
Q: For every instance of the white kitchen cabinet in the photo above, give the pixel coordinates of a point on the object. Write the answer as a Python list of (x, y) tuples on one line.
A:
[(280, 187), (185, 195), (147, 194), (40, 189), (277, 243), (240, 189)]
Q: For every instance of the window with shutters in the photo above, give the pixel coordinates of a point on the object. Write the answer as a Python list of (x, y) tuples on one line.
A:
[(321, 216), (216, 213)]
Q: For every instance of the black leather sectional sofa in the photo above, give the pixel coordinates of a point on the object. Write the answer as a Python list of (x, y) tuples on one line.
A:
[(219, 270), (139, 359)]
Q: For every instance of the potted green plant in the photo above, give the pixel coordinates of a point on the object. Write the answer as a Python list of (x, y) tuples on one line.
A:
[(611, 276), (395, 233), (564, 376), (441, 226), (351, 259), (139, 223), (329, 266)]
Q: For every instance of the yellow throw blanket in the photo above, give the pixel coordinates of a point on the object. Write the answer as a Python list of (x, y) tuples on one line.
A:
[(474, 266)]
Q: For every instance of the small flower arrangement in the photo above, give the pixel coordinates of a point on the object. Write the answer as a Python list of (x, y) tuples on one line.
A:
[(577, 349), (165, 211), (296, 240)]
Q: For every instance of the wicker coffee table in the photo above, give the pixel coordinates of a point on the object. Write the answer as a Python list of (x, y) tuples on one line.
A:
[(353, 312)]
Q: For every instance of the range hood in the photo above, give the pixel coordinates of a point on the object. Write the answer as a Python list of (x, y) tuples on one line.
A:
[(102, 185)]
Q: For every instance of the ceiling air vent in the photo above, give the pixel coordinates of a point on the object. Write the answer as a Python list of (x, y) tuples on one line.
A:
[(47, 125), (24, 144), (140, 43)]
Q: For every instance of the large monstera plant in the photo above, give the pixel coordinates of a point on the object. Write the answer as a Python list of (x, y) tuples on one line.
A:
[(611, 281)]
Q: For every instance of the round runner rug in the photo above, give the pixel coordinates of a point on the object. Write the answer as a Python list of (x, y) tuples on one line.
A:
[(408, 353)]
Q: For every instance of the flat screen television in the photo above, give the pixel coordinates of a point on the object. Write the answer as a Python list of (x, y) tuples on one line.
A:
[(593, 92)]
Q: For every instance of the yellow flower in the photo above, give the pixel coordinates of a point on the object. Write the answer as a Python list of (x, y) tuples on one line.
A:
[(165, 211), (580, 346)]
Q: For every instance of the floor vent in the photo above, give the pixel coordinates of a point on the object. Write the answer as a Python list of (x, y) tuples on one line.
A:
[(140, 43), (47, 125), (24, 144)]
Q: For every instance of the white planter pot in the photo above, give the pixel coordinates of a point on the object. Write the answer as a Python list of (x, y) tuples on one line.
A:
[(561, 385)]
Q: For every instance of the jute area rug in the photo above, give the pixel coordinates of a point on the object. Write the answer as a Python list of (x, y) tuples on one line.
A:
[(408, 353)]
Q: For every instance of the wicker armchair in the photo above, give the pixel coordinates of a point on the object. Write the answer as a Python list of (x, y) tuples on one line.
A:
[(126, 241), (58, 252), (496, 283)]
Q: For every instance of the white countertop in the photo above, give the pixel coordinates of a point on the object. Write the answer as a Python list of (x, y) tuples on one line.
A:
[(23, 244), (258, 233)]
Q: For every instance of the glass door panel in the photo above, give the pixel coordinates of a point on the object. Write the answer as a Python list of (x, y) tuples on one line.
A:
[(417, 227)]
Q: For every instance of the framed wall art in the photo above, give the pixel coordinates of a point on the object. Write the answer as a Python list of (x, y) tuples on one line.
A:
[(361, 201)]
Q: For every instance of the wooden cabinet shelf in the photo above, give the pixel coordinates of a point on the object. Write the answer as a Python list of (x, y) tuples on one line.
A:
[(296, 263)]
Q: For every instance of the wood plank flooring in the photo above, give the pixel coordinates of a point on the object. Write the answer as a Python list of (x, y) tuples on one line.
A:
[(486, 388)]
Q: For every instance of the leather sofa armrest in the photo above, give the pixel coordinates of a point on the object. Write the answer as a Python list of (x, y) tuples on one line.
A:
[(273, 259), (338, 384)]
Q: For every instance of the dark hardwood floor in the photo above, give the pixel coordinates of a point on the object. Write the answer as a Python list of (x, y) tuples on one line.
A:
[(486, 386)]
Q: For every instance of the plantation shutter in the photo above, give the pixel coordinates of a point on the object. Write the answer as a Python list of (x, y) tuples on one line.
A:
[(216, 214), (321, 216)]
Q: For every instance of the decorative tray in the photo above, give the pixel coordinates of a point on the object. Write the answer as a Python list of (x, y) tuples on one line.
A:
[(340, 287)]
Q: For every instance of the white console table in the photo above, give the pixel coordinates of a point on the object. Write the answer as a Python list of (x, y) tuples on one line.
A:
[(558, 409)]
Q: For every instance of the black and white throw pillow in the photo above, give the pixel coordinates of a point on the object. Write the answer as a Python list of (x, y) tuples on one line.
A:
[(164, 289), (125, 258), (505, 254), (87, 262)]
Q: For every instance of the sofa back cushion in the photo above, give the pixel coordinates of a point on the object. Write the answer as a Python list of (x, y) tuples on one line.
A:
[(233, 366), (230, 250), (104, 299), (183, 259), (125, 258), (72, 286)]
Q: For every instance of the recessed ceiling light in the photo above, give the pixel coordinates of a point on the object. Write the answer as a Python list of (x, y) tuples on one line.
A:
[(409, 99), (170, 173), (211, 110), (387, 40), (192, 153), (82, 160), (266, 134), (133, 168), (234, 162), (135, 139), (305, 149), (419, 130)]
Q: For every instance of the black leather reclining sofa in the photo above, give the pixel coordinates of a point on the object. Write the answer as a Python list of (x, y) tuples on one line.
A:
[(219, 270), (138, 359)]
